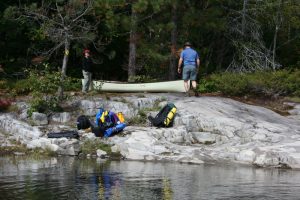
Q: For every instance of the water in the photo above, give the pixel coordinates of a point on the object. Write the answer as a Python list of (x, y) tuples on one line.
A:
[(72, 178)]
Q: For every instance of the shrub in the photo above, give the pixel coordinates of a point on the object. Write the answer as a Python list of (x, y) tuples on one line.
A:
[(207, 85), (231, 83), (43, 84), (71, 84), (44, 104), (38, 80), (44, 81), (3, 84), (23, 87), (274, 83), (293, 83), (267, 83)]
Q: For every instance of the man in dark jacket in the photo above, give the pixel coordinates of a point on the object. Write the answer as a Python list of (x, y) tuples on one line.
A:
[(86, 71)]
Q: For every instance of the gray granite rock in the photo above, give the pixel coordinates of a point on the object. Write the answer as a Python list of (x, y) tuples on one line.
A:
[(206, 130), (39, 118), (61, 117), (18, 130)]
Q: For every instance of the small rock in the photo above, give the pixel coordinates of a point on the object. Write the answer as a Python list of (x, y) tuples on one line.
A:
[(204, 137), (101, 153), (19, 153)]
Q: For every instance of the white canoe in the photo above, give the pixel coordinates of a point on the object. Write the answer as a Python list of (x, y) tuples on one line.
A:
[(167, 86)]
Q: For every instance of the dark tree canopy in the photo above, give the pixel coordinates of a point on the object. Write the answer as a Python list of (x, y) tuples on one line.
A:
[(142, 38)]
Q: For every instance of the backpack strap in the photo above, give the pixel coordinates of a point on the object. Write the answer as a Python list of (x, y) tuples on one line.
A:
[(103, 116), (170, 117)]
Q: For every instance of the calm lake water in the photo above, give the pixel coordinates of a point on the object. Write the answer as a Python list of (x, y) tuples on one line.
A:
[(72, 178)]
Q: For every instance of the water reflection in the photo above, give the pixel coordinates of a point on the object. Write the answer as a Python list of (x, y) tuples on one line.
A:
[(71, 178)]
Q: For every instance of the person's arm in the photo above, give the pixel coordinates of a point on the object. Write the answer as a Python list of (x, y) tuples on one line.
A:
[(179, 65), (198, 62), (84, 64)]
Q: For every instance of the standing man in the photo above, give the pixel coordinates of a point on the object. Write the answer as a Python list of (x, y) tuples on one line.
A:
[(86, 71), (191, 62)]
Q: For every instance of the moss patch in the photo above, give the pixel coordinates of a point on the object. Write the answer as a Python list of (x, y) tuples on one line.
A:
[(21, 149), (91, 146)]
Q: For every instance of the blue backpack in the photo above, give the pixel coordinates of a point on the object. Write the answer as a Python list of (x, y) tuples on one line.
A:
[(108, 123)]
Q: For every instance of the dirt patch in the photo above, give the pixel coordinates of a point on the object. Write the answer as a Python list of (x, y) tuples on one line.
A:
[(278, 105)]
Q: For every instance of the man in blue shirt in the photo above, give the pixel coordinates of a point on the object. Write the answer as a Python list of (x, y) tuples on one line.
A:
[(191, 62)]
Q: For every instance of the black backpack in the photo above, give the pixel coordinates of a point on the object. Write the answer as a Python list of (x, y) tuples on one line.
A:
[(165, 117), (83, 122)]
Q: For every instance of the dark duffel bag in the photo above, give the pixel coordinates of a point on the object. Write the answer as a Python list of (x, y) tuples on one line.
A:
[(66, 134)]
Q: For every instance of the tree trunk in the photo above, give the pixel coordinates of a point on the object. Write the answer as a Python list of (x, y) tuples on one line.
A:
[(274, 45), (64, 69), (244, 16), (277, 26), (173, 60), (132, 47)]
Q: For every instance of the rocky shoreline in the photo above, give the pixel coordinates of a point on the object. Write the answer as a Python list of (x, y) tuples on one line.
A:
[(206, 130)]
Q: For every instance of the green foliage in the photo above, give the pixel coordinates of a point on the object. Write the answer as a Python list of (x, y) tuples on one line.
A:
[(43, 80), (43, 83), (293, 82), (266, 83), (139, 119), (141, 79), (22, 87), (282, 82), (207, 85), (71, 84), (37, 104), (3, 84), (44, 104), (230, 83), (204, 23)]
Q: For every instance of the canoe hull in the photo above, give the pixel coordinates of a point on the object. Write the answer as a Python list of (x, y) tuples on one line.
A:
[(167, 86)]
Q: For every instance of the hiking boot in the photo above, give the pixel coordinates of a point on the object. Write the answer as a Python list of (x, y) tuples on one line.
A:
[(196, 93), (187, 94)]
